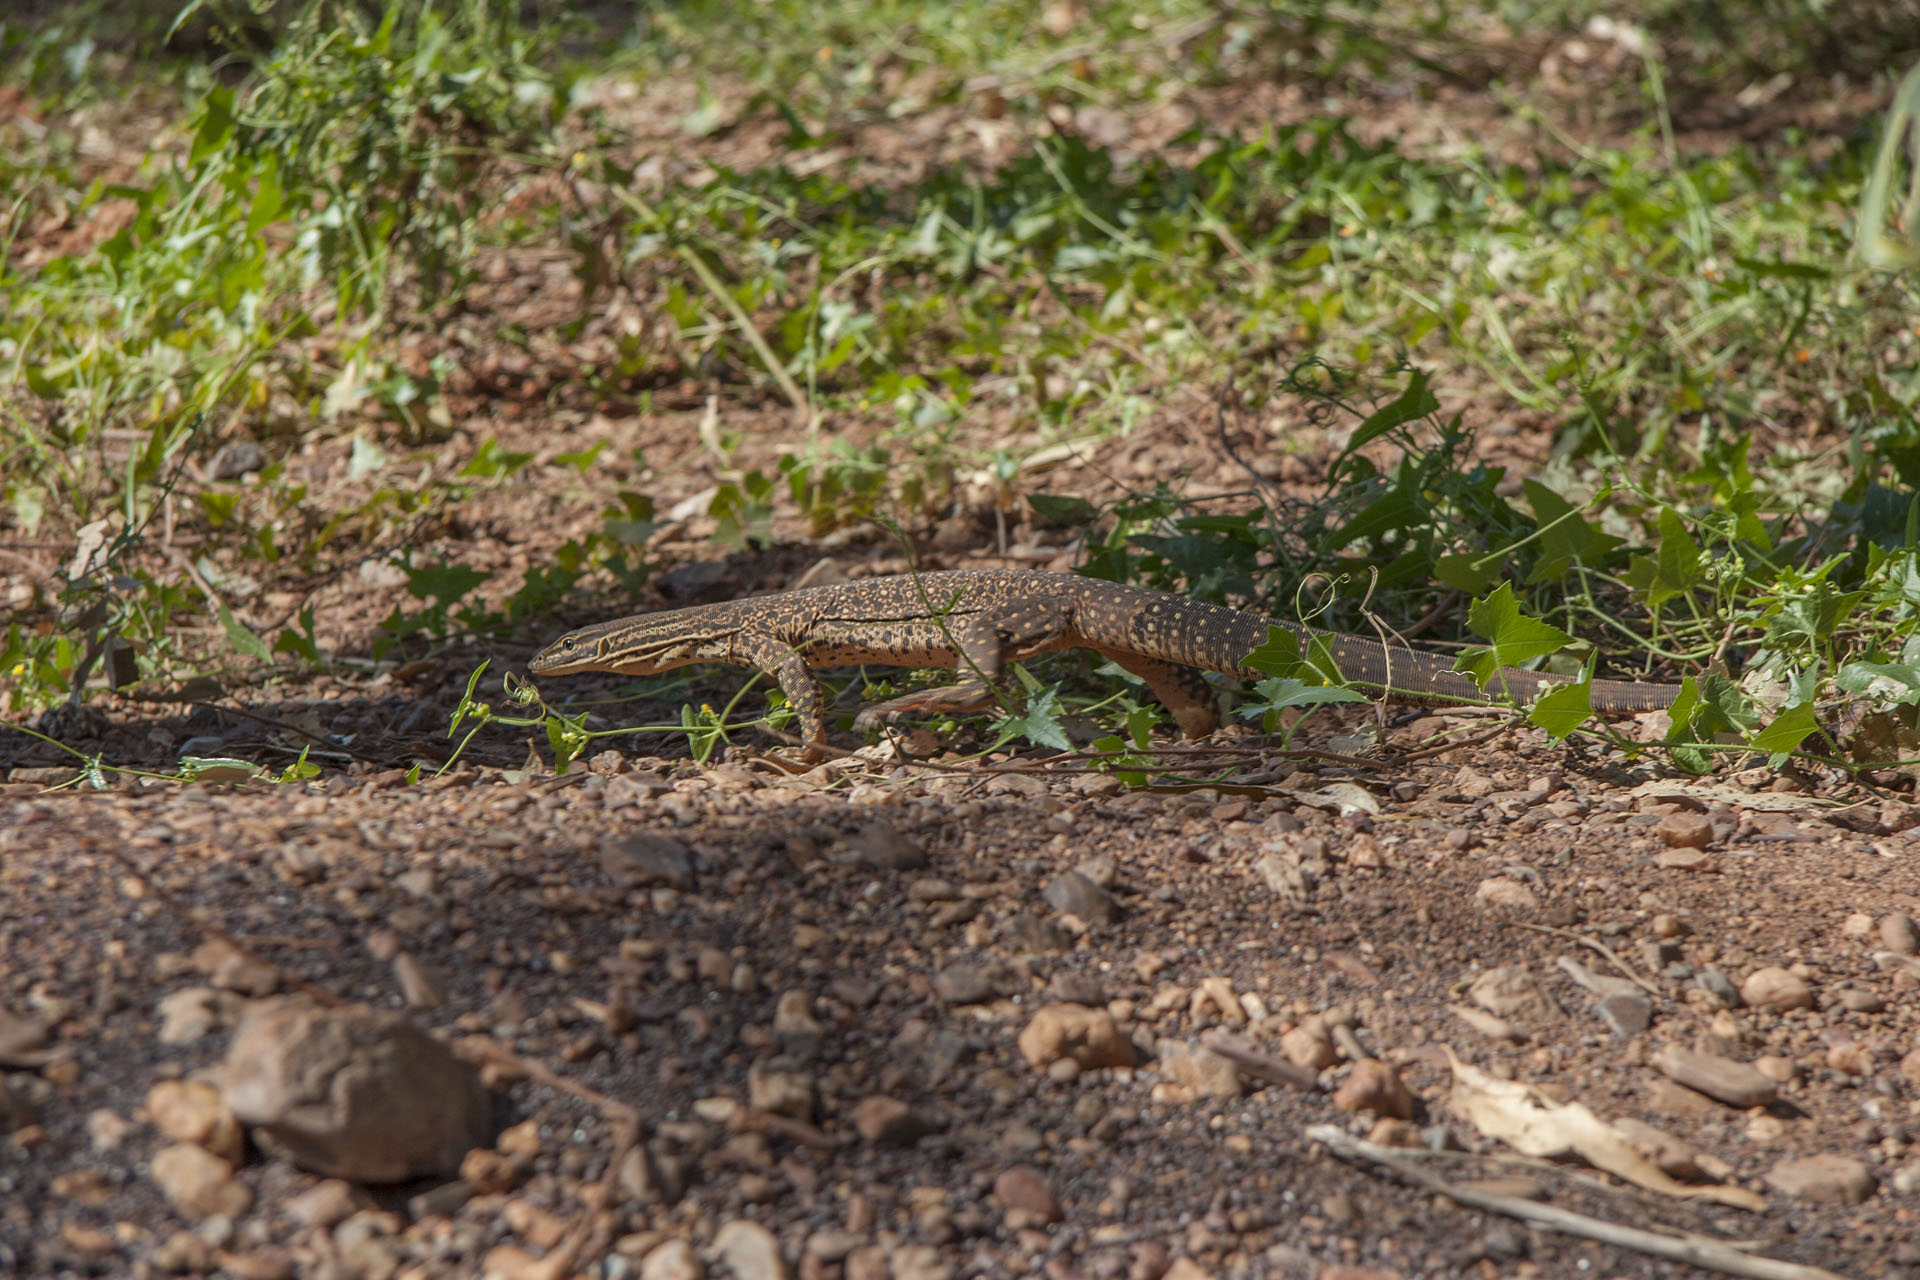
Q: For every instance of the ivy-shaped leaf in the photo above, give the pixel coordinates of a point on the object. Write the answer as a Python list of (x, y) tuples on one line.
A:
[(1673, 570), (1563, 708), (1787, 731), (1279, 656), (1883, 683), (1283, 692), (445, 584), (1463, 572), (1707, 707), (1041, 723), (1686, 709), (1565, 538), (1514, 638)]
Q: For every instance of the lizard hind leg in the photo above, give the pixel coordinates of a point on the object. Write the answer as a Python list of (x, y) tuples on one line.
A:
[(975, 644), (1194, 704)]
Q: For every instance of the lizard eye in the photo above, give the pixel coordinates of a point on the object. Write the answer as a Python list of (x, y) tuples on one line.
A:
[(568, 644)]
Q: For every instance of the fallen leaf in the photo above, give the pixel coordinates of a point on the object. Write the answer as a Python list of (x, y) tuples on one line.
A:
[(1519, 1115)]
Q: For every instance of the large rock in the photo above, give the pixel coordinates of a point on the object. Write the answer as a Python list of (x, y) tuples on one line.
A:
[(198, 1183), (1735, 1083), (353, 1093), (1824, 1179), (1025, 1188), (189, 1111), (1374, 1086), (1776, 988), (1088, 1036), (749, 1249)]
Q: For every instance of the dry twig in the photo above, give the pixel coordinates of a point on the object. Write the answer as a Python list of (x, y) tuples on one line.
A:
[(1699, 1251)]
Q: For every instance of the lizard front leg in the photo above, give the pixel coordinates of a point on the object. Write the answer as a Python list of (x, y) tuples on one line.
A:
[(801, 688)]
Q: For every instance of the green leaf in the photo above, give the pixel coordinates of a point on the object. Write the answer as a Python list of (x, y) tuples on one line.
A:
[(1565, 538), (1885, 683), (1726, 709), (1707, 707), (218, 505), (267, 196), (1514, 638), (1674, 570), (243, 641), (1140, 722), (1563, 708), (467, 706), (45, 381), (215, 125), (1682, 715), (1462, 572), (446, 583), (301, 644), (581, 459), (1114, 747), (1040, 724), (1782, 270), (1056, 509), (491, 462), (1393, 511), (704, 728), (565, 740), (1279, 656), (301, 769), (1786, 732), (1283, 692), (217, 769), (1416, 402)]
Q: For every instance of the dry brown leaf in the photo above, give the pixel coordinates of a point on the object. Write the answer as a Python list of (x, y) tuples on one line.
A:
[(1520, 1116), (1711, 793)]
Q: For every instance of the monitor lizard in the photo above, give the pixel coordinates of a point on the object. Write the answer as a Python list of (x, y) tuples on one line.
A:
[(982, 619)]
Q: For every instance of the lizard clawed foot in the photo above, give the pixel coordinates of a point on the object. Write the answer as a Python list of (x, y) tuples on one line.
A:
[(787, 760), (958, 699)]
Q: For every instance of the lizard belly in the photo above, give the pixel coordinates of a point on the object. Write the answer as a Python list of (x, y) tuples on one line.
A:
[(886, 644)]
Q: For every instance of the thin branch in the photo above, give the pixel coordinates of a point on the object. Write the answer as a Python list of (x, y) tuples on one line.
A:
[(1696, 1250)]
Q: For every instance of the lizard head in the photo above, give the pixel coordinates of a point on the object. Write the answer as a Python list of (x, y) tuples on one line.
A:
[(638, 646), (574, 651)]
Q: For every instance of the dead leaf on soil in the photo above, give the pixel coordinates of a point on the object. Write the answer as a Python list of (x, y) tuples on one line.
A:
[(1341, 797), (1526, 1120), (1721, 793)]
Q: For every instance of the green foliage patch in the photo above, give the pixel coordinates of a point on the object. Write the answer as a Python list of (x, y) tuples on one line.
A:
[(321, 195)]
